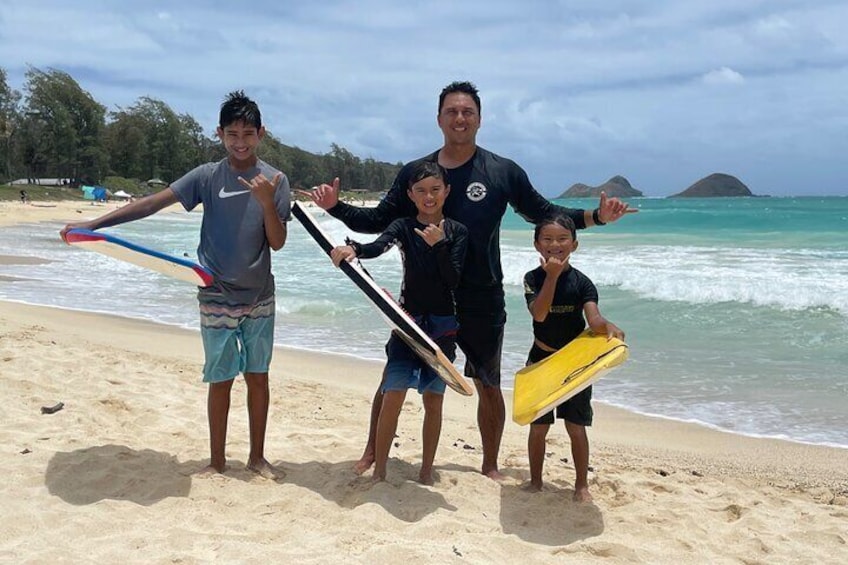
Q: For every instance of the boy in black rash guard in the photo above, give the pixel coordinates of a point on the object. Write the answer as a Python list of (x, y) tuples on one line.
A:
[(433, 250), (484, 184), (558, 296)]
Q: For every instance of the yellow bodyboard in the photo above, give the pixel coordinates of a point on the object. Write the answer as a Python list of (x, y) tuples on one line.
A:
[(542, 386)]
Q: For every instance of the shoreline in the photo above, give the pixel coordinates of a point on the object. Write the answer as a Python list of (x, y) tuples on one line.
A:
[(343, 357), (14, 212), (702, 445)]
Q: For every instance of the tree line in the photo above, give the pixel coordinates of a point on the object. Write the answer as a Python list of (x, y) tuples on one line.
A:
[(55, 129)]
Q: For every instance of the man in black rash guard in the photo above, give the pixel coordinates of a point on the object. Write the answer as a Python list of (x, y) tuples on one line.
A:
[(482, 184)]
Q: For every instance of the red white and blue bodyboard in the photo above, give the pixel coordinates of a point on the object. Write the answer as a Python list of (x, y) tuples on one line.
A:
[(121, 249)]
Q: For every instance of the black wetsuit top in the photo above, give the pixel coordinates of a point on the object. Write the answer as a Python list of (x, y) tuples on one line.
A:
[(430, 274), (565, 319), (480, 191)]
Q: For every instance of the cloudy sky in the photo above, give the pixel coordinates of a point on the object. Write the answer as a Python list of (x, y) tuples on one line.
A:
[(662, 92)]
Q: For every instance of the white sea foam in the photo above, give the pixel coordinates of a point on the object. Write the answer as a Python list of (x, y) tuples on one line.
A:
[(783, 279)]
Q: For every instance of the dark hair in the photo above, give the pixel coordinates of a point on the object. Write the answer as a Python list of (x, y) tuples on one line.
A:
[(426, 169), (563, 221), (237, 107), (463, 87)]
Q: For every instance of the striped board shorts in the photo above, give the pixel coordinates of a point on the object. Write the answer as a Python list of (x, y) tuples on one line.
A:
[(236, 338)]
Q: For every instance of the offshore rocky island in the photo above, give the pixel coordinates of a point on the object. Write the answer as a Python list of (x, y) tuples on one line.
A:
[(714, 185)]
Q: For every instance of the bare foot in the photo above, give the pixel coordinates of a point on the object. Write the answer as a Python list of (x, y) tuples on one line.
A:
[(363, 464), (582, 495), (377, 478), (266, 470), (209, 470), (532, 487), (425, 477), (495, 475)]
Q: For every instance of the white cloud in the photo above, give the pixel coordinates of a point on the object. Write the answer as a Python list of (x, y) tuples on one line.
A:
[(724, 75), (773, 26), (572, 91)]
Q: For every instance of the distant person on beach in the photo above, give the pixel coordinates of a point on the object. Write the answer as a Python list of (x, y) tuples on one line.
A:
[(559, 296), (24, 197), (433, 249), (246, 204), (483, 184)]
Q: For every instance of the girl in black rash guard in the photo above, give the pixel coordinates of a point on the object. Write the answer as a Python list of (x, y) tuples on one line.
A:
[(562, 300)]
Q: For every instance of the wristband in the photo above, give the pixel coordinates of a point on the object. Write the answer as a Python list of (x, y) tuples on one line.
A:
[(596, 217), (356, 246)]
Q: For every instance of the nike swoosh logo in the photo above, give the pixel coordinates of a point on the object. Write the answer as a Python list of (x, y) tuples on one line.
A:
[(224, 194)]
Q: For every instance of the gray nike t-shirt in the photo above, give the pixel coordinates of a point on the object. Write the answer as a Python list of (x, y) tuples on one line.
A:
[(232, 236)]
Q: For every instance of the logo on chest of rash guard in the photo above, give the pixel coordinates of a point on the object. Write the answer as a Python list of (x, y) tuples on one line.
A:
[(476, 191)]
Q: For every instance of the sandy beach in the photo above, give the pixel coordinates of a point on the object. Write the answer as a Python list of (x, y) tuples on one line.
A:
[(109, 477)]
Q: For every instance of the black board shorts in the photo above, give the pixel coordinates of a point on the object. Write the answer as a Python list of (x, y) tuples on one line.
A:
[(577, 409), (480, 337)]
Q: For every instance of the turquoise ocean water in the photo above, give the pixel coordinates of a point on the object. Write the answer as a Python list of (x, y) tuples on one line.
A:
[(736, 310)]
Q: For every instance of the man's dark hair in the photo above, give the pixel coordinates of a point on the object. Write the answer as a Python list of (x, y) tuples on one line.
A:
[(464, 87), (426, 169), (560, 220), (237, 107)]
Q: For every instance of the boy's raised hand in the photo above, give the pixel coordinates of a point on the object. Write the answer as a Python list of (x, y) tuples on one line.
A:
[(325, 196), (552, 266), (262, 188), (432, 234)]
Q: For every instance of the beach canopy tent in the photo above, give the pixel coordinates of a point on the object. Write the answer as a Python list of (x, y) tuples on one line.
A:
[(95, 193)]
